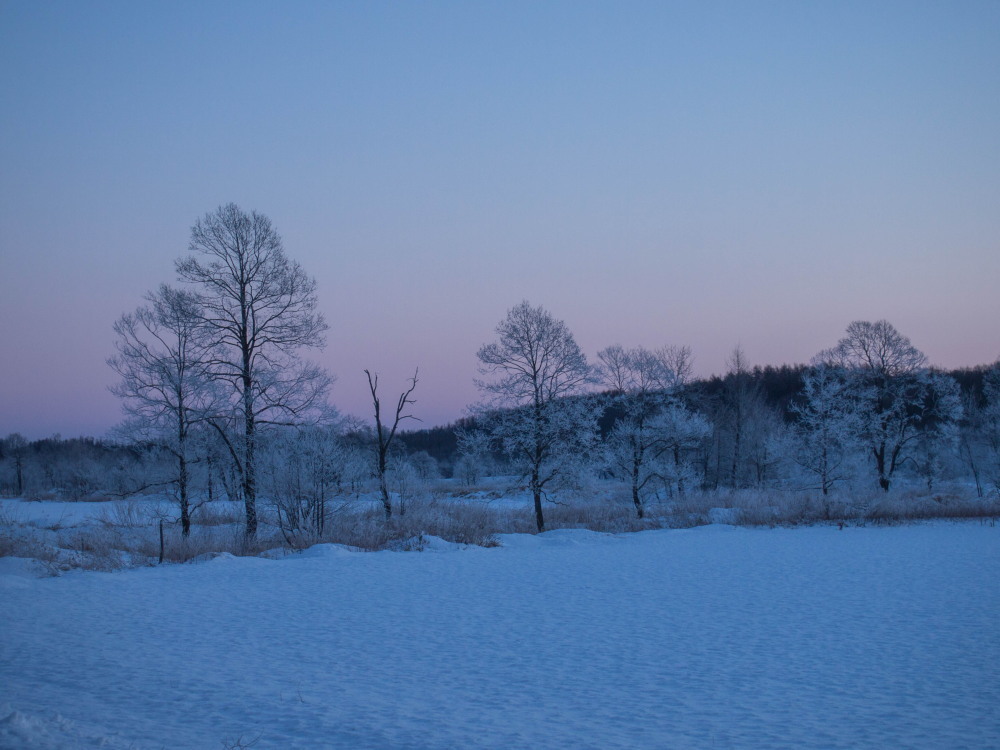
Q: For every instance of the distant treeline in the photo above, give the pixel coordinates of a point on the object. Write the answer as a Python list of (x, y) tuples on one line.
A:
[(78, 468), (779, 386)]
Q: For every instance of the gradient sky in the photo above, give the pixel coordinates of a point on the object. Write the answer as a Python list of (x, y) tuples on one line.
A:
[(705, 173)]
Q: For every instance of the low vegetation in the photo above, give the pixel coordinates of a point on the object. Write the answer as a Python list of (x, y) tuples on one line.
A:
[(125, 534)]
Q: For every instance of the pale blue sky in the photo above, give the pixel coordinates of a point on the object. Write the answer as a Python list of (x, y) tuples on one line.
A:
[(700, 173)]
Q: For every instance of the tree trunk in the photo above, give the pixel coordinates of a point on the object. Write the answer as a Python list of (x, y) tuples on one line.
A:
[(883, 478), (182, 468), (737, 434), (384, 492), (182, 487), (972, 465), (19, 466), (383, 459), (636, 499), (677, 468), (536, 468), (536, 492), (249, 462)]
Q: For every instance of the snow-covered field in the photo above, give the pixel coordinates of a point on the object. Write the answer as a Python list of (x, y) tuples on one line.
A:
[(715, 637)]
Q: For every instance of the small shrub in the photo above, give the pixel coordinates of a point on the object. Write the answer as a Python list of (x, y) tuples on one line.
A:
[(217, 514), (99, 549), (125, 514), (604, 516)]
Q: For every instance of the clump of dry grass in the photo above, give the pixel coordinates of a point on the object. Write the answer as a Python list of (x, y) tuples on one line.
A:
[(604, 516), (125, 514), (217, 514), (457, 522)]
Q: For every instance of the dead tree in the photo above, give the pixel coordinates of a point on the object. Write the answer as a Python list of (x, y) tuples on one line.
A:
[(384, 435)]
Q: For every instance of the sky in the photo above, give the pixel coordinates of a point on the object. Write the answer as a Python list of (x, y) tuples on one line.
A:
[(704, 174)]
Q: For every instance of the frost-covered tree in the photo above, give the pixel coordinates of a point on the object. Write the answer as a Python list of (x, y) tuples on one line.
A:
[(886, 388), (303, 470), (682, 431), (475, 455), (164, 387), (259, 309), (405, 481), (425, 466), (531, 375), (742, 426), (765, 444), (828, 427), (990, 424), (938, 434), (971, 438), (642, 385)]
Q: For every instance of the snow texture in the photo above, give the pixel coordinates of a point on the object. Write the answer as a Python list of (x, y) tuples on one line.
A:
[(714, 637)]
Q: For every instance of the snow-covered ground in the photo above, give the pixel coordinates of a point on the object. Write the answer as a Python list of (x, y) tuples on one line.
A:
[(715, 637)]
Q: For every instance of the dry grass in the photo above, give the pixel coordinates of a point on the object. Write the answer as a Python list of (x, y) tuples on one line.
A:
[(217, 514), (128, 534), (454, 521), (605, 516), (125, 514), (911, 506)]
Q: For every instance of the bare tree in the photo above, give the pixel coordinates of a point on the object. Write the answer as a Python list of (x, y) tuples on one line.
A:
[(302, 471), (260, 310), (678, 361), (877, 348), (475, 455), (642, 383), (682, 431), (532, 371), (384, 435), (886, 389), (615, 368), (164, 386)]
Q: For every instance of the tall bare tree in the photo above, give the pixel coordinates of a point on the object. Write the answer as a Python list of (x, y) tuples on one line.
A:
[(531, 371), (260, 310), (384, 434), (164, 387)]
